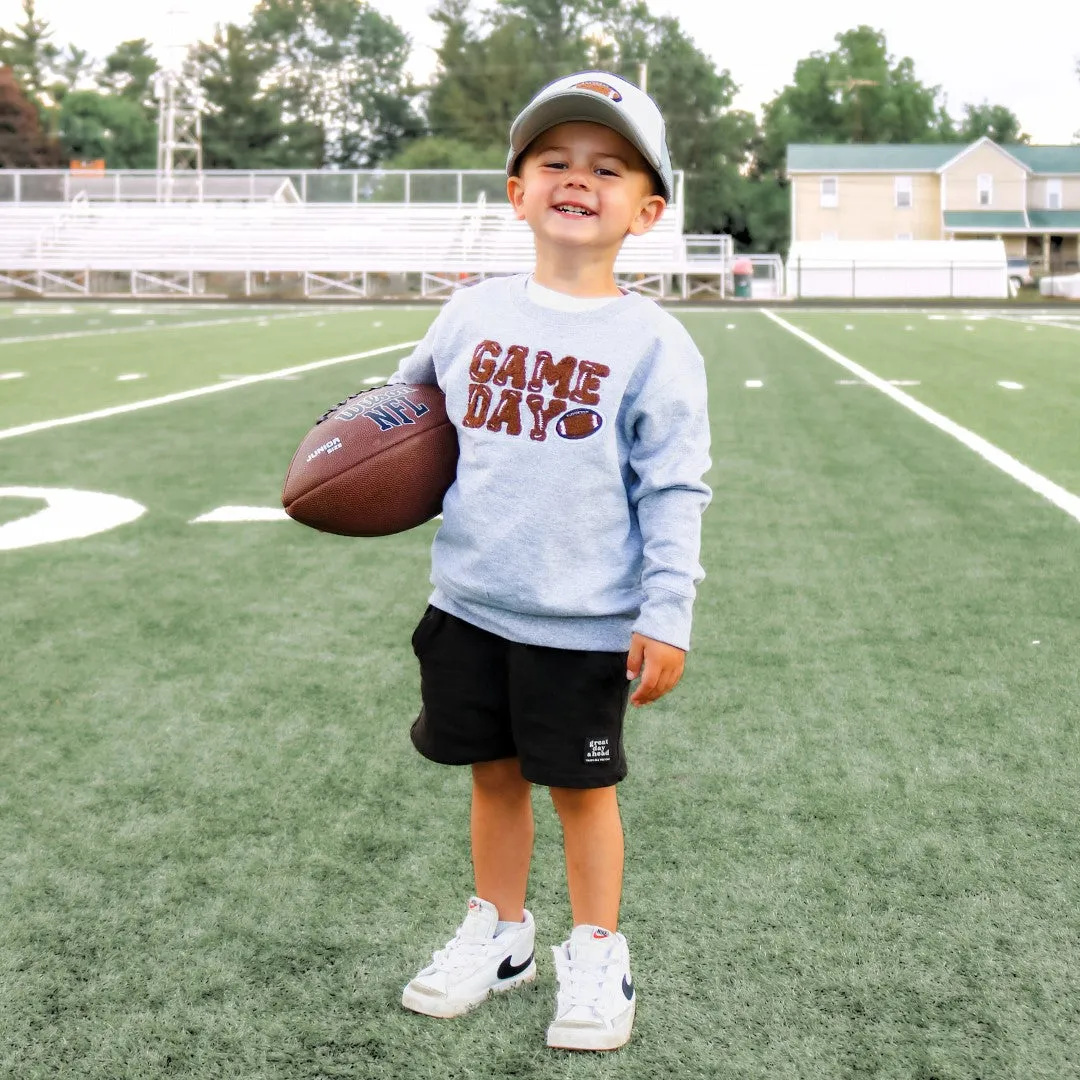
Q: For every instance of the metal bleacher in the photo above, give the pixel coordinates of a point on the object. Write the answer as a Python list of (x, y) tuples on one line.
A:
[(225, 233)]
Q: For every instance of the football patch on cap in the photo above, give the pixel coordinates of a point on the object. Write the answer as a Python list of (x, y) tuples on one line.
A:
[(600, 88)]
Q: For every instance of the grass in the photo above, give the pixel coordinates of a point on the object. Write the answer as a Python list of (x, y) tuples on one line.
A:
[(850, 829)]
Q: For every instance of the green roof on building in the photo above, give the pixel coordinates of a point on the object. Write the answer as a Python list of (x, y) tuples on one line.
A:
[(869, 157), (1054, 220), (1049, 160), (919, 157), (986, 220)]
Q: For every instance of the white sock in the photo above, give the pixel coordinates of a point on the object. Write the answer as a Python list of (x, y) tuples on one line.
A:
[(502, 925)]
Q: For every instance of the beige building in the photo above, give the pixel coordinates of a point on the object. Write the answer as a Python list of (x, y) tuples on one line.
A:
[(1028, 196)]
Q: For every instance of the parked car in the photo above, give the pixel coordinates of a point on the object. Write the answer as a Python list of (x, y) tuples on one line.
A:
[(1020, 273)]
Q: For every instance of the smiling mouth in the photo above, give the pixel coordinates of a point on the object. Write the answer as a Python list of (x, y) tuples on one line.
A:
[(574, 211)]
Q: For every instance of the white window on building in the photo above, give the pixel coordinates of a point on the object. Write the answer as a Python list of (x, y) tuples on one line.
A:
[(830, 191), (830, 237), (986, 189), (902, 187), (1053, 194), (904, 236)]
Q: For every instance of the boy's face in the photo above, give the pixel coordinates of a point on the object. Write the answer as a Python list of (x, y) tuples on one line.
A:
[(583, 185)]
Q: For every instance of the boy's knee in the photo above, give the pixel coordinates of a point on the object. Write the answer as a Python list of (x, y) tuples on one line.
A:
[(502, 777), (572, 802)]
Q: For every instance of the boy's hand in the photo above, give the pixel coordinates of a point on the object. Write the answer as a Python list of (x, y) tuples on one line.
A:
[(663, 667)]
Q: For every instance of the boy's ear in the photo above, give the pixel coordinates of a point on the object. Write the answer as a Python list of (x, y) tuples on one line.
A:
[(652, 206), (515, 192)]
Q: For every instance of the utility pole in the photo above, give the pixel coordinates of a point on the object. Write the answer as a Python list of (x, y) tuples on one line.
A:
[(643, 75), (854, 84)]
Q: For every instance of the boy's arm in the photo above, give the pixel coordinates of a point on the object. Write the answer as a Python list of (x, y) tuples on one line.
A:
[(669, 457), (419, 365)]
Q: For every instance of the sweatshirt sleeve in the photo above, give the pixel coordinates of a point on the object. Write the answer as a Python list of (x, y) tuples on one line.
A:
[(669, 457), (419, 365)]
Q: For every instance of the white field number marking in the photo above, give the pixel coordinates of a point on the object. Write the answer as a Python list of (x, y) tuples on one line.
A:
[(242, 513), (1064, 500), (68, 515)]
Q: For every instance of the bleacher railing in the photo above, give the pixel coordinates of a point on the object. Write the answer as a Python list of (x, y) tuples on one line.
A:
[(448, 186)]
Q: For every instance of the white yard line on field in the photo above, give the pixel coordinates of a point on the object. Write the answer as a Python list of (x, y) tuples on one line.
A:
[(158, 327), (1039, 320), (201, 391), (1065, 500)]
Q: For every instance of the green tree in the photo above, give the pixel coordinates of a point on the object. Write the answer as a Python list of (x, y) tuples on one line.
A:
[(128, 72), (24, 144), (998, 122), (243, 124), (30, 53), (491, 64), (75, 70), (708, 139), (857, 92), (439, 152), (340, 66), (95, 125)]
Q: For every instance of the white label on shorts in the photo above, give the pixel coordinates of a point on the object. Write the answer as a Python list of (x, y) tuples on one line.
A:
[(597, 751)]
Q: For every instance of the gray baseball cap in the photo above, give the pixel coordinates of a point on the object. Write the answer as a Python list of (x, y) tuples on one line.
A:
[(600, 98)]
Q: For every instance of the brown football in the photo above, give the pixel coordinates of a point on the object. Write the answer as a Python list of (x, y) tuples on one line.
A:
[(377, 463)]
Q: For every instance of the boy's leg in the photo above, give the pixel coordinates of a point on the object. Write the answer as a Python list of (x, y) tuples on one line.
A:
[(593, 845), (466, 719), (502, 835), (485, 957), (596, 1000)]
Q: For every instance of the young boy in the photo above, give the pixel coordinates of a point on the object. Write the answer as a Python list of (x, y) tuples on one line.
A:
[(567, 559)]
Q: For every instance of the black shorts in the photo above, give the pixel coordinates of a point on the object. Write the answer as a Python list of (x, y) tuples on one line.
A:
[(558, 711)]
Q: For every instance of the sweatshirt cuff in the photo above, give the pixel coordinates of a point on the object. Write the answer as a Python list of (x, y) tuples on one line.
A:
[(665, 616)]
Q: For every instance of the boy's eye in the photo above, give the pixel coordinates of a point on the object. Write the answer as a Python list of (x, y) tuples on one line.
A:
[(604, 171)]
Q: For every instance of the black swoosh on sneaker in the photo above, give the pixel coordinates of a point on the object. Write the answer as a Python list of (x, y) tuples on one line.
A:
[(627, 988), (508, 969)]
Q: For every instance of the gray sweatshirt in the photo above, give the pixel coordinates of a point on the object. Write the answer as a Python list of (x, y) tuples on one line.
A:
[(575, 517)]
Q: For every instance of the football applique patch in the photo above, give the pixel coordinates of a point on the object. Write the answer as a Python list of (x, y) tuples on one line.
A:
[(579, 423), (600, 88)]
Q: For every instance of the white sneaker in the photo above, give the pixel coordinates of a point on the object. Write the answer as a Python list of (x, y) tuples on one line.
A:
[(473, 964), (595, 1009)]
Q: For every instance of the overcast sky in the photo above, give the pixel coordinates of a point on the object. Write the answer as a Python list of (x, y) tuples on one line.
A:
[(1025, 57)]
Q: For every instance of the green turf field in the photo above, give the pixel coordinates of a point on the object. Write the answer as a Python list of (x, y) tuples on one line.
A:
[(851, 831)]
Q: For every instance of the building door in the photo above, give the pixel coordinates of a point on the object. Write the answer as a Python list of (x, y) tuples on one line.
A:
[(1057, 254)]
